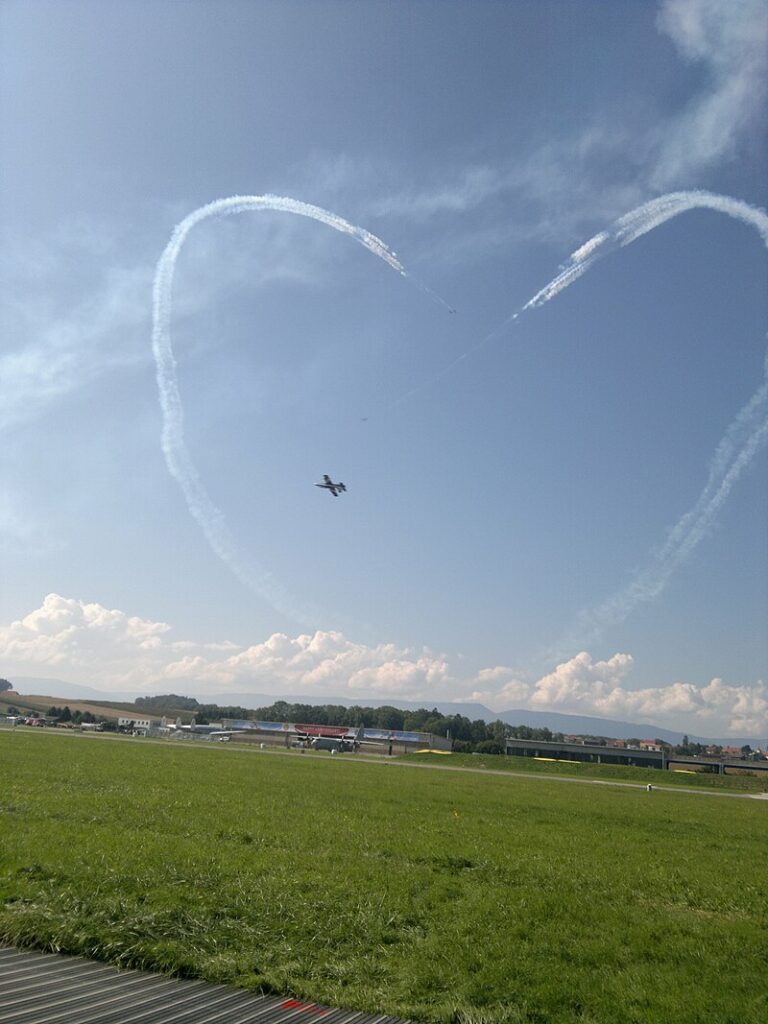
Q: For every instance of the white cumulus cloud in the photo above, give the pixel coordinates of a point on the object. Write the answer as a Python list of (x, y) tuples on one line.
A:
[(77, 637), (319, 663), (607, 164), (587, 687), (85, 642), (730, 39)]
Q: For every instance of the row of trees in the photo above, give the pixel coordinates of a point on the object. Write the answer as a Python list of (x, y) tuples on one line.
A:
[(65, 715), (467, 735), (75, 717), (167, 700), (478, 735)]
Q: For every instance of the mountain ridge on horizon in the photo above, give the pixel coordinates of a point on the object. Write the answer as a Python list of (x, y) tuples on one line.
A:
[(555, 720)]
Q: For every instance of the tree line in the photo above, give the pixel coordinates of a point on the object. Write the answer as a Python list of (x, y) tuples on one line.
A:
[(63, 715), (467, 735)]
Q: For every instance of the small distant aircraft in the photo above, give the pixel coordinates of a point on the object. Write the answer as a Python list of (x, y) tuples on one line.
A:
[(329, 485)]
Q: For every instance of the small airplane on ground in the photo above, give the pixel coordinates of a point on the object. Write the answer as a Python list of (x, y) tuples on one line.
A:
[(329, 485), (337, 740)]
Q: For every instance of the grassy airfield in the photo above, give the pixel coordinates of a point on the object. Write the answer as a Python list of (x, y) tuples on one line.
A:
[(440, 896), (734, 782)]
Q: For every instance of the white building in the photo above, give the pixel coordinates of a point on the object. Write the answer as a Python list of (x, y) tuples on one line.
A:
[(136, 725)]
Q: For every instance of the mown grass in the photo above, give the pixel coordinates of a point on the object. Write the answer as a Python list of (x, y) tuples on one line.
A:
[(440, 896), (757, 782)]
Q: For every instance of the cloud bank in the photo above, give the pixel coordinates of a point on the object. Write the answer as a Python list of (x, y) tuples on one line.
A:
[(607, 164), (584, 686), (729, 39), (52, 351), (85, 642)]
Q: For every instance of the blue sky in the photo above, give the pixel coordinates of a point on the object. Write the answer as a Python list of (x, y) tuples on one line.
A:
[(500, 515)]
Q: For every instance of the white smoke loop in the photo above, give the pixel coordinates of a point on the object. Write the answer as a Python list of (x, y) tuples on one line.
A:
[(743, 438), (174, 447)]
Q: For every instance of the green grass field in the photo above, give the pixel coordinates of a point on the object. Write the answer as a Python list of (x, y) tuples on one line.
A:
[(440, 896), (756, 782)]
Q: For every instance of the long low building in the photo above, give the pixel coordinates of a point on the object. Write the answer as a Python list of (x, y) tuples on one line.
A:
[(387, 741), (596, 754)]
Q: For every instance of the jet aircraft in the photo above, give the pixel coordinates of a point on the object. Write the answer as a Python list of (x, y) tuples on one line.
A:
[(329, 485)]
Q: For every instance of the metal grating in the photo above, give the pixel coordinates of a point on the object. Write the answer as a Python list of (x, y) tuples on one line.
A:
[(49, 988)]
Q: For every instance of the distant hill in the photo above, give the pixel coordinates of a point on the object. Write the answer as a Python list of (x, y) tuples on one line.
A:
[(584, 724), (554, 720), (39, 703), (60, 688)]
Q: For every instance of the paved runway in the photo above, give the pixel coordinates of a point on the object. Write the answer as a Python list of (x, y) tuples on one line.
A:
[(48, 988)]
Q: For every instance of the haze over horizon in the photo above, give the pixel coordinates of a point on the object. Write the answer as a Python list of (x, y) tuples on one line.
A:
[(73, 693), (564, 511)]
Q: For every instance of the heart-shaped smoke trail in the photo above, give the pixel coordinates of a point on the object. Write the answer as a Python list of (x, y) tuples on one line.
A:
[(743, 438), (177, 456)]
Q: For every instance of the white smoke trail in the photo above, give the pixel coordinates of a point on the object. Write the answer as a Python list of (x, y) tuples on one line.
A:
[(177, 456), (744, 437), (687, 532), (639, 222), (625, 230)]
